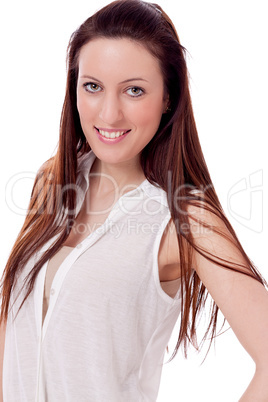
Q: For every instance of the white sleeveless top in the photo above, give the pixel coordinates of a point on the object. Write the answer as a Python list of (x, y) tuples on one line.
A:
[(170, 287), (108, 322)]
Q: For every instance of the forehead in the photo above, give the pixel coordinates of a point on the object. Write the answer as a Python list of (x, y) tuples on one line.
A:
[(116, 57)]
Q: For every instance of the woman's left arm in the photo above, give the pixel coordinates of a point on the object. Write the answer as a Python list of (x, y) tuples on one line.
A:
[(242, 299)]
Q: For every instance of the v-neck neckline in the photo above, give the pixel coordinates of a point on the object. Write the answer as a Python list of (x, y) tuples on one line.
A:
[(113, 209)]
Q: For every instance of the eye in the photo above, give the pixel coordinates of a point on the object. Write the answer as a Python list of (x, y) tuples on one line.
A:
[(92, 87), (135, 92)]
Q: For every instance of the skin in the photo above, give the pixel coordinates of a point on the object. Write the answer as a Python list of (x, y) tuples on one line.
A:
[(109, 102)]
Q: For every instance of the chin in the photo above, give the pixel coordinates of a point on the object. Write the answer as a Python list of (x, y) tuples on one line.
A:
[(115, 156)]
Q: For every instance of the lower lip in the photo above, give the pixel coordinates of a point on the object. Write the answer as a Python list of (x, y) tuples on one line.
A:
[(110, 140)]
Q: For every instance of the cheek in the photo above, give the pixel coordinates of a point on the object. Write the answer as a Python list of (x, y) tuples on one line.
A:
[(80, 106), (85, 110), (148, 115)]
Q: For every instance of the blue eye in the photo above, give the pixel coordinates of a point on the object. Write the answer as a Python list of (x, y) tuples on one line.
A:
[(92, 87), (135, 92)]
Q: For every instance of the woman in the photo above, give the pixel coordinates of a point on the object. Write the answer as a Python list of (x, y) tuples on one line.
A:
[(125, 231)]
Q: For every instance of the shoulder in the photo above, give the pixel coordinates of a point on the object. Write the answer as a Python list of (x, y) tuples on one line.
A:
[(169, 247), (207, 229), (215, 242)]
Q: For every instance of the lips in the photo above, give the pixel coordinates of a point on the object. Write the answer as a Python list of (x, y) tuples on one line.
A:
[(111, 133), (111, 136)]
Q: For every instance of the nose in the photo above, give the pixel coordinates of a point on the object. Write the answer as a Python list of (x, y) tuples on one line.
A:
[(110, 109)]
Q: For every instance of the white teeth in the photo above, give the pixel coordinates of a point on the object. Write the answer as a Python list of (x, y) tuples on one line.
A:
[(114, 134)]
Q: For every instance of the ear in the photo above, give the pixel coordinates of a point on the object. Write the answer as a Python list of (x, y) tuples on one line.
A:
[(166, 107)]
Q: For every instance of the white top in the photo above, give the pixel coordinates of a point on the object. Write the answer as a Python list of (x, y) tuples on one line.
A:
[(170, 287), (108, 322)]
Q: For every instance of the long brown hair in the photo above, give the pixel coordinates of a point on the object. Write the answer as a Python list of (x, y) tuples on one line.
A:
[(173, 159)]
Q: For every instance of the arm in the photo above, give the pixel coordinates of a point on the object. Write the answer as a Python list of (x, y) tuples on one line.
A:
[(242, 300), (2, 344)]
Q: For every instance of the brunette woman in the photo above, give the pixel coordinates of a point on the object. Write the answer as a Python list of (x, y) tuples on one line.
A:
[(125, 232)]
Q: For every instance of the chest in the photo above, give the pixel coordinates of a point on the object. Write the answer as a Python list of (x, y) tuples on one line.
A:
[(94, 212), (140, 217)]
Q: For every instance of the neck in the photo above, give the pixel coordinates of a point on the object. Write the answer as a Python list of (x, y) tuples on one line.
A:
[(121, 177)]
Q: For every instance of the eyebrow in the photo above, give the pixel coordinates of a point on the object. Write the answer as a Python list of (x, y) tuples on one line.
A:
[(122, 82)]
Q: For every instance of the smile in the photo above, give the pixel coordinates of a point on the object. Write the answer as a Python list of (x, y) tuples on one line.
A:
[(112, 134)]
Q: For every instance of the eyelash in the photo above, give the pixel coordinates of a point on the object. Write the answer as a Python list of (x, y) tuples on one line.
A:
[(93, 83)]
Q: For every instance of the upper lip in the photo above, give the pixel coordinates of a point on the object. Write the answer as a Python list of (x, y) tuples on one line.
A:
[(112, 130)]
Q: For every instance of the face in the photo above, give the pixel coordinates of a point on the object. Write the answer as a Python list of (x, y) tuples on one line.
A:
[(120, 98)]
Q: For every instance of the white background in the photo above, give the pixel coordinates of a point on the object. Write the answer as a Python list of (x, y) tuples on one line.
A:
[(227, 45)]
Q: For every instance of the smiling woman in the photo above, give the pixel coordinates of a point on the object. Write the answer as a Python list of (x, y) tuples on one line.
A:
[(116, 108), (125, 232)]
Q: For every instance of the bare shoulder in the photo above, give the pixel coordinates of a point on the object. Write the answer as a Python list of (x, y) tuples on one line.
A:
[(209, 232), (214, 237), (169, 247), (202, 213)]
